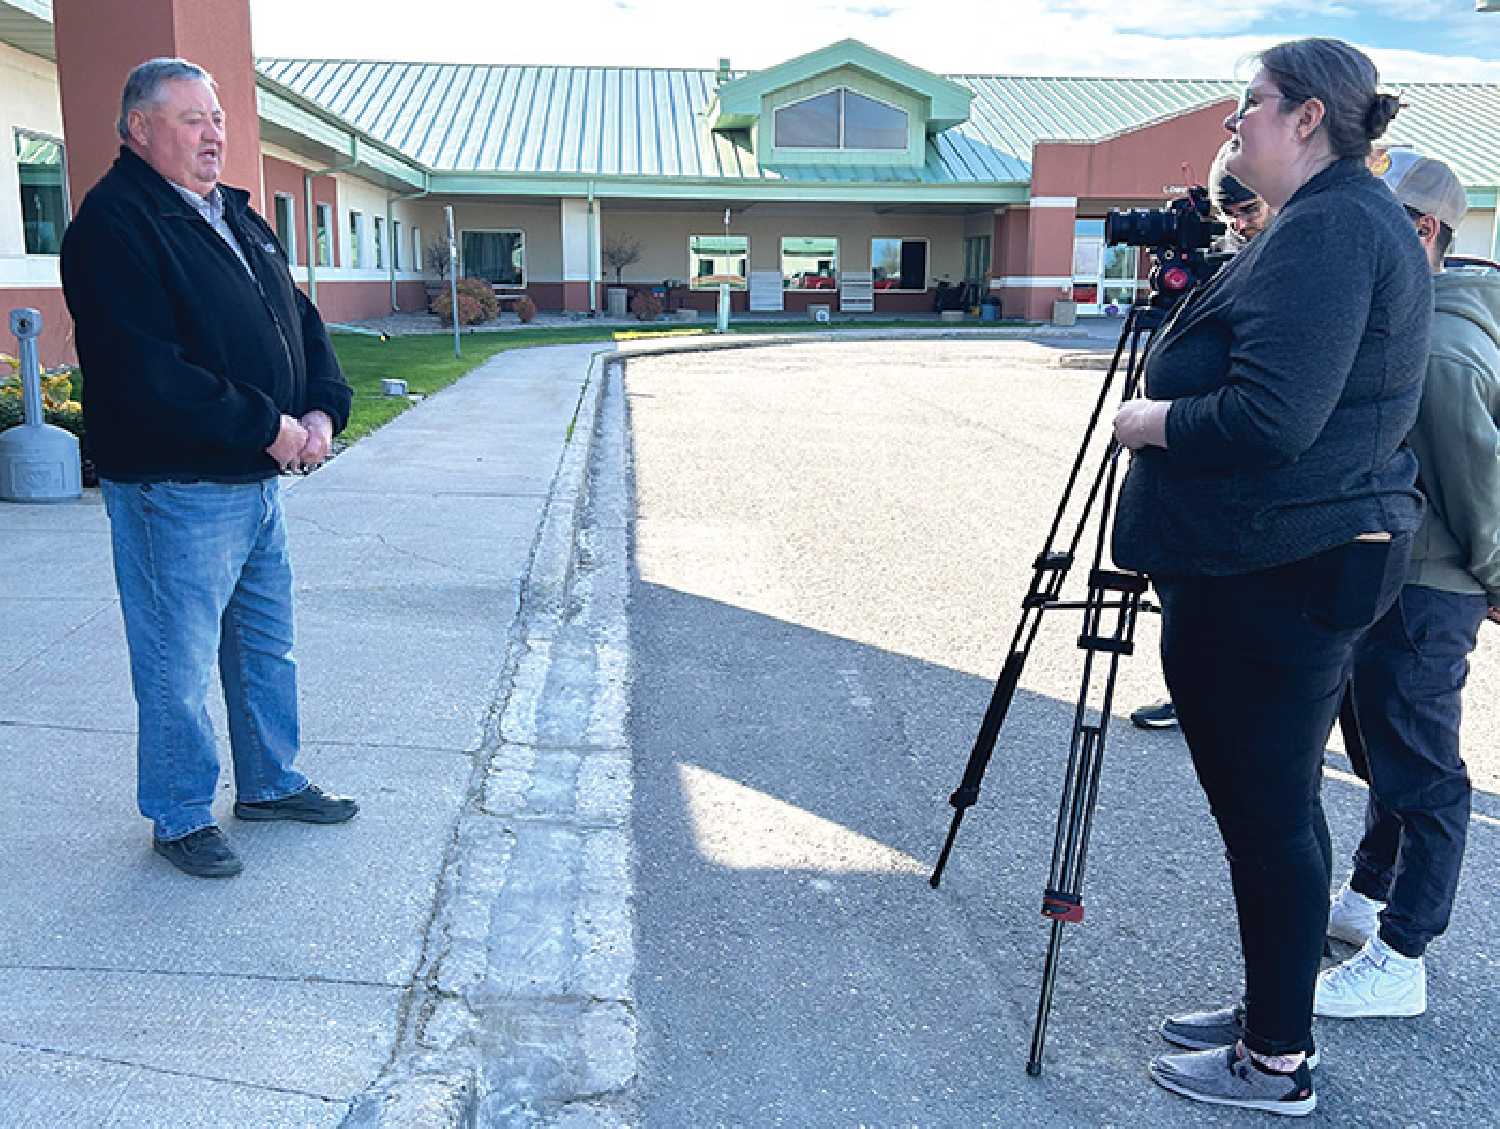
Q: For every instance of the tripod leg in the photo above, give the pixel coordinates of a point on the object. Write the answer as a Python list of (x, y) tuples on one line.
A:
[(1044, 1005), (1050, 570), (979, 757), (1063, 900)]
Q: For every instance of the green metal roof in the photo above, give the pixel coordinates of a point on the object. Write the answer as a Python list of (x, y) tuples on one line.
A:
[(555, 121)]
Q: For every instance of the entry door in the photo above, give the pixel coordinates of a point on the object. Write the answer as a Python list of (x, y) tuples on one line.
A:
[(1088, 265), (1104, 278), (1117, 280)]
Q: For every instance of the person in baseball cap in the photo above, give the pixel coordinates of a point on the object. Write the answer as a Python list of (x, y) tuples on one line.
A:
[(1426, 188), (1409, 670)]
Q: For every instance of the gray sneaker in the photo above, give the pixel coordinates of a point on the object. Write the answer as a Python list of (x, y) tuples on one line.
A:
[(1222, 1027), (1226, 1076)]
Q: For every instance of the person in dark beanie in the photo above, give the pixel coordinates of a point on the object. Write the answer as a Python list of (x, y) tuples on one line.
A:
[(209, 374), (1236, 202), (1271, 499)]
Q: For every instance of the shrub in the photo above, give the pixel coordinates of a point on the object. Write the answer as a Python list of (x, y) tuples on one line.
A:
[(476, 303), (68, 417), (525, 309), (58, 405), (646, 306)]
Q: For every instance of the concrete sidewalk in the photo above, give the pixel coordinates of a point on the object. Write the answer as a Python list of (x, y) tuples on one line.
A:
[(135, 996)]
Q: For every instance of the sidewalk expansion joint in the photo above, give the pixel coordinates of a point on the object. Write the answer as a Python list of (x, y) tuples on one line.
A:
[(445, 750), (9, 723), (109, 1060), (187, 973)]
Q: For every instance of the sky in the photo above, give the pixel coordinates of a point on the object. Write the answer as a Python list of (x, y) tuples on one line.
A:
[(1410, 40)]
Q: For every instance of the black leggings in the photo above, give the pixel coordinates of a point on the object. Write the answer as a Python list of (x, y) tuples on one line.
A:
[(1257, 666)]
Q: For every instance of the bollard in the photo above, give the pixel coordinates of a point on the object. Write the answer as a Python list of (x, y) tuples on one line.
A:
[(38, 462), (723, 307)]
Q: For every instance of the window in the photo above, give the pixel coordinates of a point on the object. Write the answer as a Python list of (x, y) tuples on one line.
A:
[(840, 119), (356, 239), (44, 192), (869, 124), (498, 257), (379, 242), (416, 248), (286, 226), (325, 235), (810, 124), (809, 262), (899, 264), (713, 259), (396, 244), (976, 258)]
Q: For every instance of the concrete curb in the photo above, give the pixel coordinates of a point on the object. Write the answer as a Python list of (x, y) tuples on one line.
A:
[(551, 572), (433, 1078)]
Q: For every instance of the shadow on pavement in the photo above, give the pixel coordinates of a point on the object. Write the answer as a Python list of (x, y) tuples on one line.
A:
[(795, 967)]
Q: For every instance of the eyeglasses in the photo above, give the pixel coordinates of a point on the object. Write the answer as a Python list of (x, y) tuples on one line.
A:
[(1249, 100)]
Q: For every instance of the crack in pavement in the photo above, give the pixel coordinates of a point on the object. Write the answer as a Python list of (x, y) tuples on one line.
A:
[(146, 1068)]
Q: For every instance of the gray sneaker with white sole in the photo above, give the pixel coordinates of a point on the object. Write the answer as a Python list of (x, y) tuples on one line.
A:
[(1222, 1027), (1227, 1076)]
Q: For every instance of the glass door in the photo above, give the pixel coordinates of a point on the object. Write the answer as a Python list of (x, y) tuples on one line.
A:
[(1104, 278), (1088, 264), (1117, 280)]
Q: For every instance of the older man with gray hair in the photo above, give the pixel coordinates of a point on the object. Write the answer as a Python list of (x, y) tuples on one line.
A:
[(207, 375)]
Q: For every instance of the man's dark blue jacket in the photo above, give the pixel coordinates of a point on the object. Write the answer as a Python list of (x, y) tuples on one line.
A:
[(1294, 377), (188, 362)]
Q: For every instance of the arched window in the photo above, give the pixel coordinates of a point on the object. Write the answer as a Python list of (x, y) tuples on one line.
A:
[(840, 119)]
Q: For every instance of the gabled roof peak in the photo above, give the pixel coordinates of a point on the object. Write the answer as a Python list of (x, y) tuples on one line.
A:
[(739, 100)]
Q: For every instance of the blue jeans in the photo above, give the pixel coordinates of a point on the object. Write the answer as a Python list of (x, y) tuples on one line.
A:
[(1409, 675), (203, 571), (1257, 665)]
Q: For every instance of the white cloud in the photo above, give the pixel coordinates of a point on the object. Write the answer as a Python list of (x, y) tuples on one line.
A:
[(1170, 19), (1070, 37)]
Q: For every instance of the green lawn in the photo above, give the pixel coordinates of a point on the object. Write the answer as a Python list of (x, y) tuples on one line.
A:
[(427, 363)]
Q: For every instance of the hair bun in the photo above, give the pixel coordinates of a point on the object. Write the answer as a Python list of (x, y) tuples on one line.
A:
[(1380, 113)]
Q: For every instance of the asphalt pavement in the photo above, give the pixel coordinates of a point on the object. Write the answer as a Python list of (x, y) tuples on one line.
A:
[(830, 547)]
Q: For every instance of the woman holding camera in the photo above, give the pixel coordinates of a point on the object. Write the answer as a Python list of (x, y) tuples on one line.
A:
[(1271, 500)]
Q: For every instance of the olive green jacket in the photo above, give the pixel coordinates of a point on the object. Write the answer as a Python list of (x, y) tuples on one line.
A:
[(1457, 439)]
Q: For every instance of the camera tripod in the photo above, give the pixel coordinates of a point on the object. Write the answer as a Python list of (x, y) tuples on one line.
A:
[(1110, 609)]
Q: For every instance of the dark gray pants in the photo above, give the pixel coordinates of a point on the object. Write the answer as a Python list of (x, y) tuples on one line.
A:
[(1409, 675)]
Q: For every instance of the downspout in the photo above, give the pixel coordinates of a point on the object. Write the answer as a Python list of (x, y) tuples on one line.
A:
[(390, 233), (309, 208), (593, 252)]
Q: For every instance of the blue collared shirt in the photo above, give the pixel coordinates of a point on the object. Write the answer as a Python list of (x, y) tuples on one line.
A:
[(211, 208)]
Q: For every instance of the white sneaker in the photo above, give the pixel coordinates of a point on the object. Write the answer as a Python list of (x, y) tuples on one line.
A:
[(1376, 982), (1352, 917)]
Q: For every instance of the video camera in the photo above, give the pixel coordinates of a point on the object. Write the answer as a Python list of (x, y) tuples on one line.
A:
[(1178, 237)]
